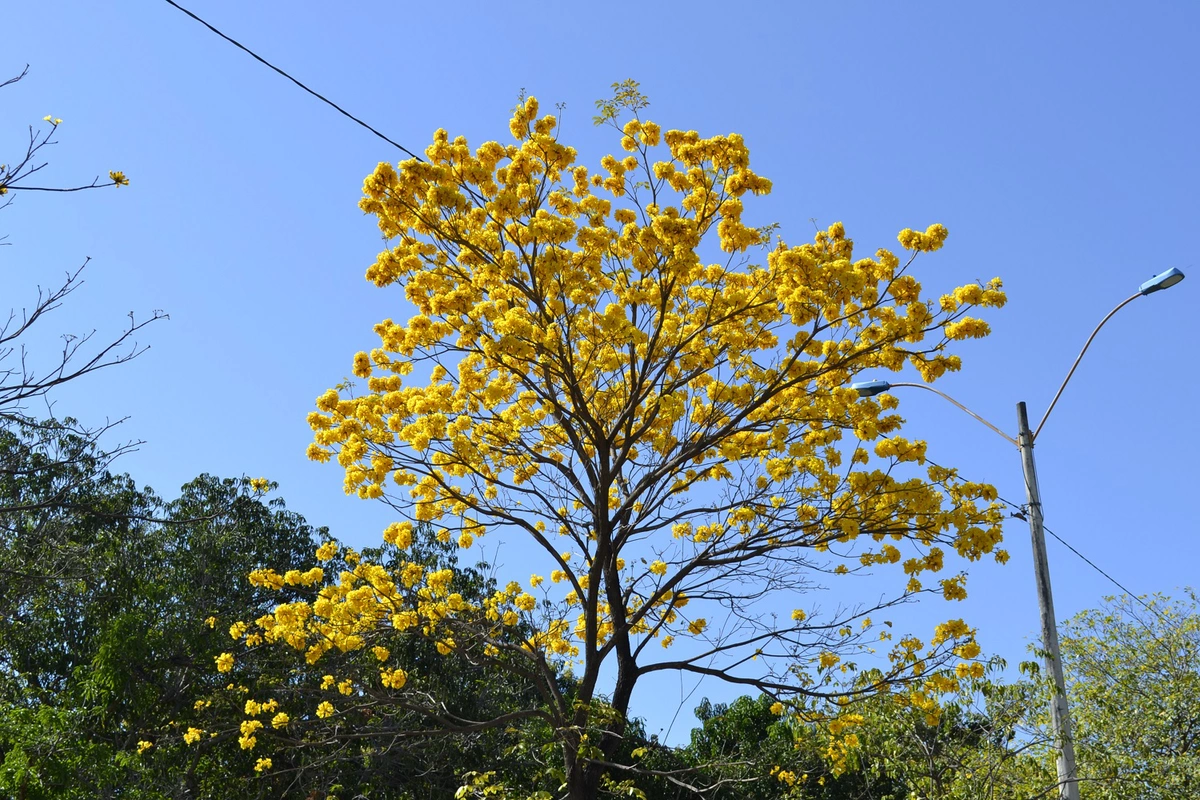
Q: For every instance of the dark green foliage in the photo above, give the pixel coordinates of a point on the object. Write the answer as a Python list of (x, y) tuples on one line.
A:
[(102, 638), (115, 605)]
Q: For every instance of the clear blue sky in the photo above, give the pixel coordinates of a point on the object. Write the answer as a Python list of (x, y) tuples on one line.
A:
[(1058, 145)]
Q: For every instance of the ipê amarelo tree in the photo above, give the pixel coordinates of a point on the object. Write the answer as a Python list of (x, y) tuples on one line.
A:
[(599, 366)]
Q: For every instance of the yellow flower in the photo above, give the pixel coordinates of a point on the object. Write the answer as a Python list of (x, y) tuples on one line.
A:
[(952, 589), (399, 534), (967, 650), (381, 653), (362, 365), (193, 735), (965, 670), (325, 710), (117, 176), (224, 662), (393, 678), (280, 720), (143, 746), (211, 622), (259, 484), (262, 765), (658, 567)]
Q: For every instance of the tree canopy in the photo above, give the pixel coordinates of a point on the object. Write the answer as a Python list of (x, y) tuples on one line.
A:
[(1133, 679), (599, 366)]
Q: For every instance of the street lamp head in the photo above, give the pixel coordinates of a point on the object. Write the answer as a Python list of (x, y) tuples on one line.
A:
[(1164, 280), (870, 388)]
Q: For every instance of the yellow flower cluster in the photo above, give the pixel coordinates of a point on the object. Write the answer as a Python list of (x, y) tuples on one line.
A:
[(270, 579), (253, 708), (249, 727), (393, 678)]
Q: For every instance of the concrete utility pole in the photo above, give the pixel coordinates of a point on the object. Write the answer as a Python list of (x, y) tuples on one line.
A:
[(1060, 713)]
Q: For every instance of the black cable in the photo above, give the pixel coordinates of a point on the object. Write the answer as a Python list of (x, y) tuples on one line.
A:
[(1086, 560), (1020, 509), (320, 97)]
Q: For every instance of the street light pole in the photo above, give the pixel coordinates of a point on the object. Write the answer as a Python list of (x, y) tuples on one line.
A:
[(1060, 714)]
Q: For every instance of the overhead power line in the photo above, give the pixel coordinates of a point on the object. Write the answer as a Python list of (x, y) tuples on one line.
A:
[(1091, 564), (1020, 514), (317, 95)]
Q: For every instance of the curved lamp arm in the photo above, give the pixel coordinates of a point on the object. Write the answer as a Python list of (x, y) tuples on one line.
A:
[(945, 396), (1163, 280), (1079, 358), (872, 388)]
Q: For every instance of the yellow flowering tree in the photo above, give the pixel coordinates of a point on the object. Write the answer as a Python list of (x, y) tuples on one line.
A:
[(650, 392)]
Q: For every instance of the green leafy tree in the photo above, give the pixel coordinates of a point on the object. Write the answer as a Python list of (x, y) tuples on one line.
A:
[(1133, 679), (981, 745), (107, 663), (102, 660), (743, 746)]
